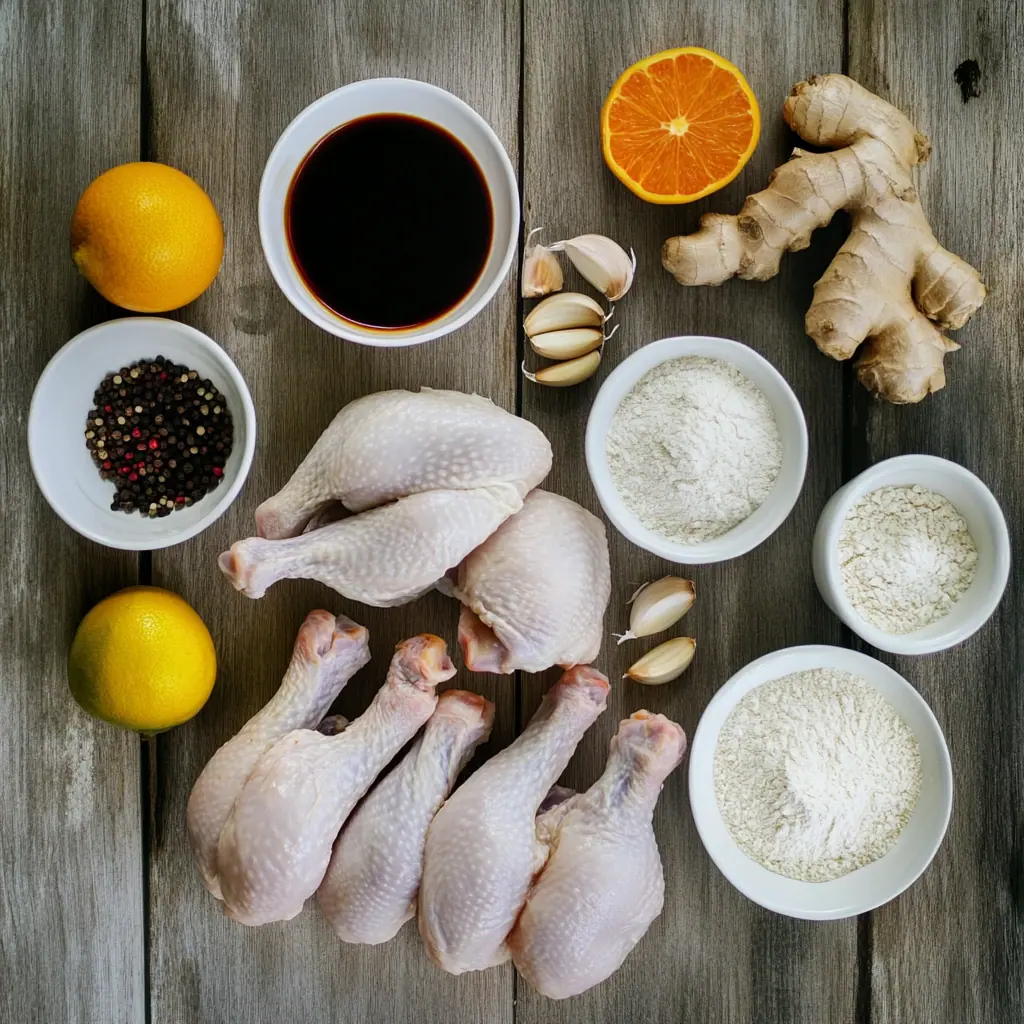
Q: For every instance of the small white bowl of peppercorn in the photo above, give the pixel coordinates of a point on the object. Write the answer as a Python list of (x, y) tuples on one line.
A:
[(141, 432)]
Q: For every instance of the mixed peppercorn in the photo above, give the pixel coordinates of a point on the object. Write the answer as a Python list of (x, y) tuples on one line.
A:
[(161, 433)]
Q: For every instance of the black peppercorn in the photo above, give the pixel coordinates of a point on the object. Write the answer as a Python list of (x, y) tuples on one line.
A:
[(127, 436)]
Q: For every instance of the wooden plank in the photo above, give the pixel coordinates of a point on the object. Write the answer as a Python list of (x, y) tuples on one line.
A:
[(950, 948), (71, 919), (225, 82), (712, 955)]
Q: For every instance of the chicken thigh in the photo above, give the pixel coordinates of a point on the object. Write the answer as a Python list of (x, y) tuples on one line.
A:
[(602, 885), (395, 443), (384, 557), (535, 592), (370, 887), (329, 650), (482, 851), (276, 844)]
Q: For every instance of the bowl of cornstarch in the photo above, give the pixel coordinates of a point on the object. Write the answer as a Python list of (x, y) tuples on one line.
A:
[(913, 554), (820, 782), (697, 448)]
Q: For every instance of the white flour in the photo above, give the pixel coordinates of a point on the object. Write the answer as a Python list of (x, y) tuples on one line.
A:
[(694, 448), (816, 774), (906, 557)]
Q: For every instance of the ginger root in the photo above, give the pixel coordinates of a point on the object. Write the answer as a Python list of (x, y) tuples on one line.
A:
[(890, 280)]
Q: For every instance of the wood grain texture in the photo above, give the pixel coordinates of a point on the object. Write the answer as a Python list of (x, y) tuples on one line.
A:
[(951, 947), (71, 943), (226, 80), (712, 955)]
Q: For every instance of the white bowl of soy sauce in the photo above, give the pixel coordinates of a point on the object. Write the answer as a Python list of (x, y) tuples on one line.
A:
[(389, 212)]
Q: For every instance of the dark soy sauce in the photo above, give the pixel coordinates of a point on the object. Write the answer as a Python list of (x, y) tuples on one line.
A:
[(389, 221)]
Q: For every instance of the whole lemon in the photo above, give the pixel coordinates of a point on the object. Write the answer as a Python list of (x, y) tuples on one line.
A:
[(147, 237), (142, 659)]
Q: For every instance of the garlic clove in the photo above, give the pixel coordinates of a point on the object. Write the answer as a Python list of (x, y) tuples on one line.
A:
[(563, 311), (564, 375), (658, 605), (568, 344), (542, 272), (602, 261), (666, 662)]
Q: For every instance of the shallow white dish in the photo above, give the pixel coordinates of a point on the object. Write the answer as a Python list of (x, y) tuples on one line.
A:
[(765, 520), (985, 522), (63, 467), (388, 96), (860, 890)]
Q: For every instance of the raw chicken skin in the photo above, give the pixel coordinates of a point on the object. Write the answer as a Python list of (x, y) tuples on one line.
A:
[(370, 887), (384, 557), (395, 443), (535, 592), (482, 851), (329, 650), (276, 844), (603, 884)]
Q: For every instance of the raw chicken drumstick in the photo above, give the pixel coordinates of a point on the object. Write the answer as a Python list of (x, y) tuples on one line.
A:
[(329, 650), (535, 592), (603, 884), (276, 844), (482, 851), (395, 443), (384, 557), (370, 887)]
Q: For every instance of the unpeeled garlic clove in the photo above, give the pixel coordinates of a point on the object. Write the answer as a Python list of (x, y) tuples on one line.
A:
[(666, 662), (542, 272), (563, 311), (564, 375), (568, 344), (602, 261), (658, 605)]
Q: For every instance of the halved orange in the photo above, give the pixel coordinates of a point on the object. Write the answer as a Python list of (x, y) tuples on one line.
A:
[(679, 125)]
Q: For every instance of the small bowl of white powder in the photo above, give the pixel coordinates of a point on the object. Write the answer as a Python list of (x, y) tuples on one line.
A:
[(820, 782), (697, 448), (913, 554)]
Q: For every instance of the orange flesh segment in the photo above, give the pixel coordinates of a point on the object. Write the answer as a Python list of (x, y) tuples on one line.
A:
[(680, 125)]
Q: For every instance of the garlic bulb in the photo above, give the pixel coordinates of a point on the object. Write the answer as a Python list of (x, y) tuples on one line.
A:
[(564, 375), (601, 261), (666, 662), (658, 605), (542, 272), (563, 311)]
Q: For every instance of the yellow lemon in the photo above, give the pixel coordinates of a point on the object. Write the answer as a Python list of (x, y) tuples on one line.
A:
[(147, 237), (142, 659)]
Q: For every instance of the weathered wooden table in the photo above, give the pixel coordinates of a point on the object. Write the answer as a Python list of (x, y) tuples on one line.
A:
[(102, 917)]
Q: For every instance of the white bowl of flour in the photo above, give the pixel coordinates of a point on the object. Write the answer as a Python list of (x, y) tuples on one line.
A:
[(935, 549), (827, 747), (697, 448)]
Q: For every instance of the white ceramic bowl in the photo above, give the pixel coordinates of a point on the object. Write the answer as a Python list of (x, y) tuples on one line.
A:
[(761, 523), (63, 467), (869, 886), (985, 522), (395, 96)]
